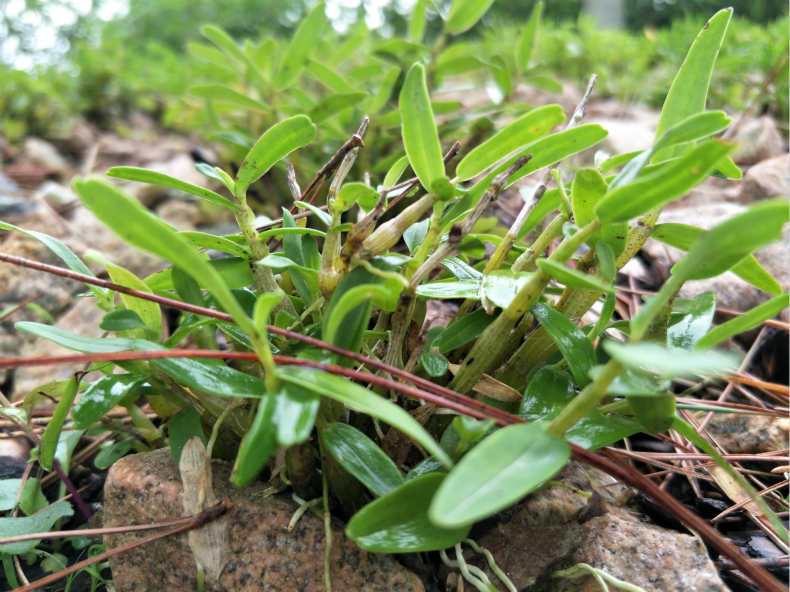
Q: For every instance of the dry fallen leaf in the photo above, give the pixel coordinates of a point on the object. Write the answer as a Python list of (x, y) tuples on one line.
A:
[(209, 543)]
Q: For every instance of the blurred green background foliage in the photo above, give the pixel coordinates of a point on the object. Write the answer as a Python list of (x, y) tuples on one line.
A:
[(103, 59)]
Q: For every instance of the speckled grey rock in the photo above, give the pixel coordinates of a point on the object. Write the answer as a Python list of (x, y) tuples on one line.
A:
[(749, 434), (83, 319), (770, 178), (558, 528), (758, 140), (183, 215), (646, 555), (146, 488)]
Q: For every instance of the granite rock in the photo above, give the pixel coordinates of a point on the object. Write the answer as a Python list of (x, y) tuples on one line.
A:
[(770, 178), (146, 488)]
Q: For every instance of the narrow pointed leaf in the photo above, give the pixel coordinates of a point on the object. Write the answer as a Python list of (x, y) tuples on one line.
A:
[(334, 103), (694, 322), (362, 458), (155, 178), (49, 441), (224, 94), (297, 57), (274, 145), (689, 90), (526, 41), (656, 358), (365, 401), (570, 340), (464, 14), (522, 131), (573, 278), (258, 444), (419, 128), (744, 322)]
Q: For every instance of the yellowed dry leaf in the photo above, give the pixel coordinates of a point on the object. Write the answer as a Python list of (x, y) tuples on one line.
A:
[(209, 543), (491, 387)]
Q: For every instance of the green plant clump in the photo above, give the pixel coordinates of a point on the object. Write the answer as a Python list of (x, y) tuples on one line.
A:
[(315, 348)]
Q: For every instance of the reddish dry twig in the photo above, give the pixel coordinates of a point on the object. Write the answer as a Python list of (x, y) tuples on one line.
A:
[(626, 474)]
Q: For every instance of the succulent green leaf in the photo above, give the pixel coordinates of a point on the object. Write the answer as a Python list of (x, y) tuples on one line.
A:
[(419, 128), (748, 320), (573, 278), (523, 131), (464, 14), (364, 401), (41, 522), (667, 362), (184, 426), (274, 145), (689, 90), (297, 57), (499, 471), (224, 94), (570, 340), (49, 441), (660, 187), (362, 458), (399, 523), (155, 178), (526, 42)]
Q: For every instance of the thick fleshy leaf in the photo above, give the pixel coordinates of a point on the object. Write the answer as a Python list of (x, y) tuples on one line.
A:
[(696, 127), (211, 378), (258, 444), (682, 236), (155, 178), (329, 77), (660, 187), (351, 300), (417, 22), (461, 270), (464, 14), (689, 90), (274, 145), (748, 320), (434, 364), (522, 131), (108, 456), (500, 287), (573, 278), (362, 458), (444, 290), (121, 320), (496, 473), (234, 272), (656, 413), (292, 245), (527, 39), (184, 426), (588, 188), (334, 103), (463, 331), (49, 441), (41, 522), (415, 234), (101, 396), (419, 128), (224, 94), (295, 414), (217, 243), (570, 340), (396, 171), (350, 193), (301, 47), (365, 401), (139, 227), (690, 324), (656, 358), (398, 522), (725, 245), (150, 312), (550, 390)]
